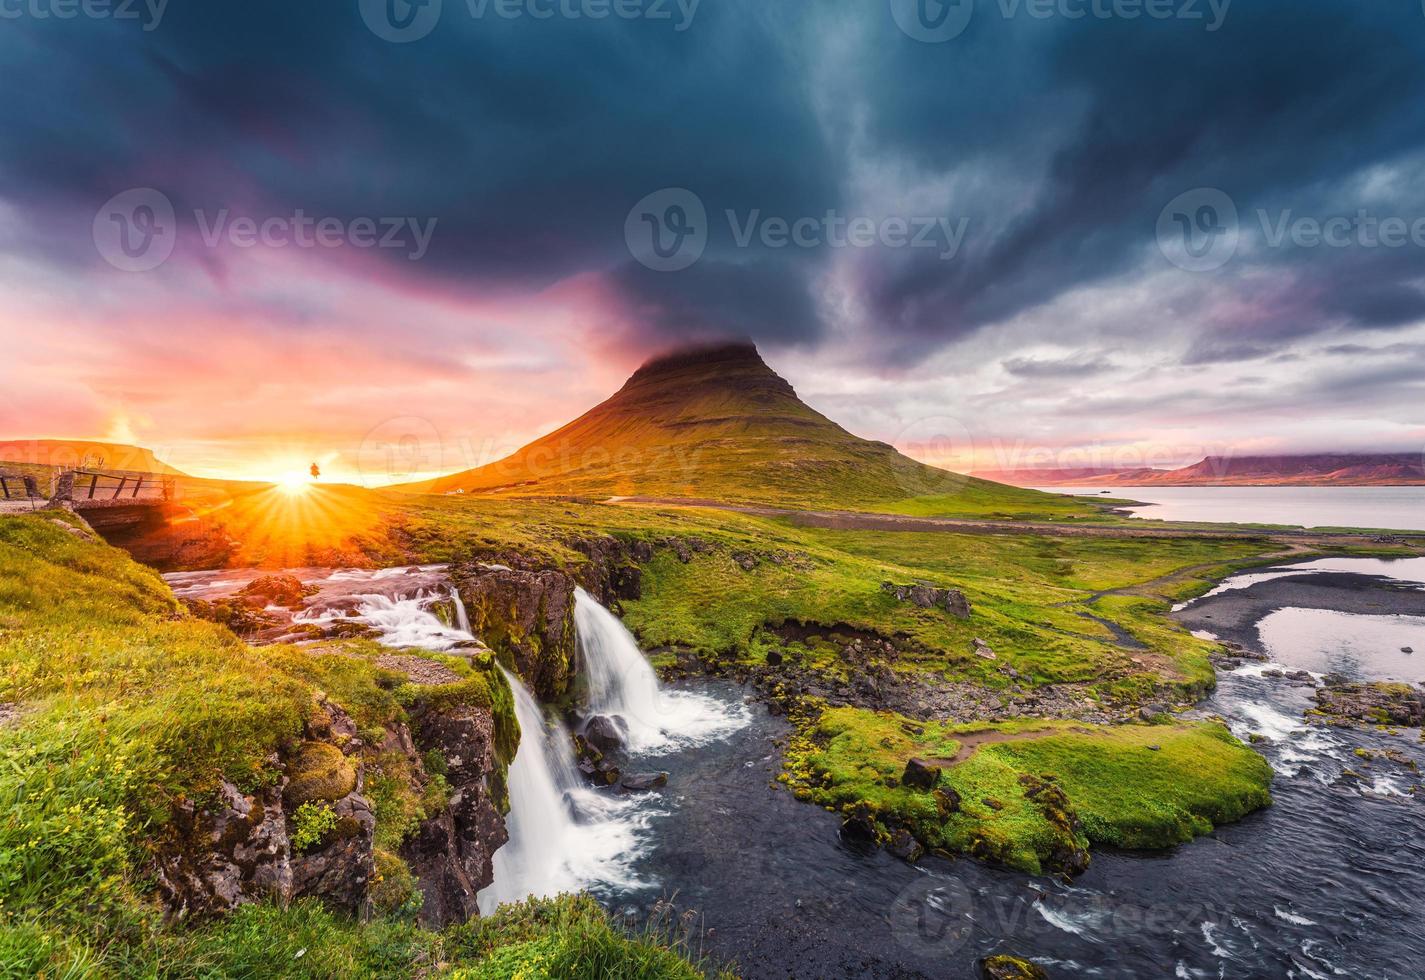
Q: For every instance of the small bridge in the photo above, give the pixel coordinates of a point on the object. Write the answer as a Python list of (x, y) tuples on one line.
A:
[(108, 497)]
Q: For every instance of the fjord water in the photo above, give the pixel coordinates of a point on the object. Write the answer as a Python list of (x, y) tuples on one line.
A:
[(1393, 508)]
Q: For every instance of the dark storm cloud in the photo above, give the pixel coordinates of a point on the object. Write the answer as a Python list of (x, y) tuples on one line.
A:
[(529, 140), (1284, 100)]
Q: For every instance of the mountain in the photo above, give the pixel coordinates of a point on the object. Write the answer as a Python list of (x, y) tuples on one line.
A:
[(82, 453), (716, 422), (1322, 469)]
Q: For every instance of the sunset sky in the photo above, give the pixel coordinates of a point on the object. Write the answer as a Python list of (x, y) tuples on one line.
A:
[(517, 154)]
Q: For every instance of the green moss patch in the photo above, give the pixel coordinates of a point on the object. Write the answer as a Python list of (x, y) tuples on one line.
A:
[(1040, 792)]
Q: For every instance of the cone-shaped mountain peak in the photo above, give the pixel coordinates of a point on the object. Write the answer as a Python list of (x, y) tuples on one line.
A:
[(710, 422)]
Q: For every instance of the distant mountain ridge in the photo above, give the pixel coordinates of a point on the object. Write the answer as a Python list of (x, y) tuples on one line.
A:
[(713, 422), (1319, 469), (83, 453)]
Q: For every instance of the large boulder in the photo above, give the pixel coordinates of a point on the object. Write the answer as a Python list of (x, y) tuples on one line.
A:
[(920, 775), (605, 732), (526, 615)]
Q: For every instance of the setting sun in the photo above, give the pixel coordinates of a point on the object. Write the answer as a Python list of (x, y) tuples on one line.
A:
[(294, 483)]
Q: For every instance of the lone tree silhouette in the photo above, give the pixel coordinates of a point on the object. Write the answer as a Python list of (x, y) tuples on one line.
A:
[(316, 472)]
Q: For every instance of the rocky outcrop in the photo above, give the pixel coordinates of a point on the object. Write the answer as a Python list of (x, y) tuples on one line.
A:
[(452, 853), (614, 570), (952, 601), (526, 615), (1349, 702), (240, 848), (312, 832)]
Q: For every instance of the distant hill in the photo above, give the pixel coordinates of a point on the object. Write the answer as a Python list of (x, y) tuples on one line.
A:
[(717, 423), (82, 453), (1322, 469)]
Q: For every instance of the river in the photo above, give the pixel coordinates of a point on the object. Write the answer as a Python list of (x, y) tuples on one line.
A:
[(1325, 883)]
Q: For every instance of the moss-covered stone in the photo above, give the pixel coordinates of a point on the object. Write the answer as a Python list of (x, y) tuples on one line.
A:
[(1011, 968), (318, 771)]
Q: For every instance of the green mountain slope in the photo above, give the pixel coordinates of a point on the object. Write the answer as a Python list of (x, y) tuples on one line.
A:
[(717, 423)]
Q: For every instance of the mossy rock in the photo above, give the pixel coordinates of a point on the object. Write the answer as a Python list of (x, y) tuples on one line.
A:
[(394, 885), (1010, 968), (318, 772)]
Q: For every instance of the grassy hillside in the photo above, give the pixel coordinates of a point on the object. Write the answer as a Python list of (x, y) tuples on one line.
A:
[(718, 423)]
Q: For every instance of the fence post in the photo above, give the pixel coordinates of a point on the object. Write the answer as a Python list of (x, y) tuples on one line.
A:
[(63, 491)]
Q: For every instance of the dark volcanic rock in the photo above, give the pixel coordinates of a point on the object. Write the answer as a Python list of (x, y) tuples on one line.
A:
[(643, 782), (236, 851), (920, 775), (904, 846), (604, 733), (277, 590), (526, 614), (952, 601), (452, 853), (614, 570)]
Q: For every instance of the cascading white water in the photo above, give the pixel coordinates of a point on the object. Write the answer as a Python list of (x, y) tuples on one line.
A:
[(563, 836), (401, 621), (462, 619), (623, 684)]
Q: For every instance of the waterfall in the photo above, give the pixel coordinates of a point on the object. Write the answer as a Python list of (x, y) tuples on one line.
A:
[(623, 684), (462, 620), (563, 836)]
